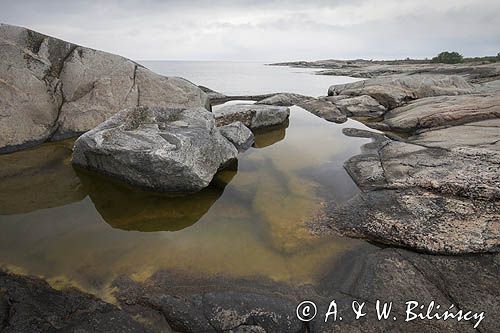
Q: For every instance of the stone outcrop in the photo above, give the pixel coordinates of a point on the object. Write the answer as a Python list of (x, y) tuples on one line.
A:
[(432, 199), (432, 112), (238, 134), (395, 91), (252, 115), (162, 149), (360, 106), (51, 89)]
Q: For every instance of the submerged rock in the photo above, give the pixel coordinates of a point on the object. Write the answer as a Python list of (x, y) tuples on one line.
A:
[(162, 149), (252, 115), (239, 135), (51, 89), (29, 304), (395, 91)]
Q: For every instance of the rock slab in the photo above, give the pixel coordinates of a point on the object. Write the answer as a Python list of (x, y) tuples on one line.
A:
[(252, 115), (238, 134)]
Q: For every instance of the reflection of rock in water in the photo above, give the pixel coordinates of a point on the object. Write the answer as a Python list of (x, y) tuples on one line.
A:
[(38, 178), (267, 136), (128, 208)]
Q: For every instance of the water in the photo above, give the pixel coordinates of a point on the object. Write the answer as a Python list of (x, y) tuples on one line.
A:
[(77, 228), (249, 78)]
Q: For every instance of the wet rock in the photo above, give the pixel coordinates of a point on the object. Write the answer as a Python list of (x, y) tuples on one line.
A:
[(161, 149), (395, 91), (323, 109), (252, 115), (361, 106), (212, 304), (31, 305), (238, 134), (434, 112), (52, 89), (398, 276), (283, 99)]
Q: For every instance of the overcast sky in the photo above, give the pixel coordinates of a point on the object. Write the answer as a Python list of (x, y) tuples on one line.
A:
[(266, 30)]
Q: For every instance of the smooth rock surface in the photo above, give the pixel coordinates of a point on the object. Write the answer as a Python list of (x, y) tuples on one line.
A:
[(51, 89), (361, 106), (323, 109), (238, 134), (252, 115), (395, 91), (162, 149), (433, 112), (283, 99)]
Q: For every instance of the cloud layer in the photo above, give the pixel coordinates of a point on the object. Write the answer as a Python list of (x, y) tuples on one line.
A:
[(261, 30)]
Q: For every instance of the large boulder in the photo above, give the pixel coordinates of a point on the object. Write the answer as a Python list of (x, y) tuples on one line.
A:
[(252, 115), (51, 89), (162, 149), (394, 91)]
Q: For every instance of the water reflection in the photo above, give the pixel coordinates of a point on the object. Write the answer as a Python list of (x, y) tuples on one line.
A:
[(250, 222), (128, 208), (268, 136)]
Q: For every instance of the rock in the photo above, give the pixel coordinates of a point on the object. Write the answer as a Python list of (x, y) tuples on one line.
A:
[(481, 134), (361, 106), (162, 149), (323, 109), (238, 134), (31, 305), (398, 276), (283, 99), (433, 112), (211, 304), (51, 89), (252, 115), (395, 91), (428, 199)]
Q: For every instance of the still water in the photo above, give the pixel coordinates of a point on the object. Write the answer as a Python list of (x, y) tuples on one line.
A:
[(77, 228)]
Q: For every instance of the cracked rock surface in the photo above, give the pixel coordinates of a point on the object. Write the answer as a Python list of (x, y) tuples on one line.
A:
[(51, 89)]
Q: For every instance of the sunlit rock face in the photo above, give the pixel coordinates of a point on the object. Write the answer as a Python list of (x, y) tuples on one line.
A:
[(161, 149), (51, 89)]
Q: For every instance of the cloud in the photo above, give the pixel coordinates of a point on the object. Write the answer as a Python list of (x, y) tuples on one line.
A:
[(266, 30)]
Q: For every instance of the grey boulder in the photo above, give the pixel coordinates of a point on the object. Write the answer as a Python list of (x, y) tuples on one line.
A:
[(238, 134), (161, 149), (51, 89), (252, 115)]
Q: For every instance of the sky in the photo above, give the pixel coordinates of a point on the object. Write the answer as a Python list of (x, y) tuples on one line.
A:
[(266, 30)]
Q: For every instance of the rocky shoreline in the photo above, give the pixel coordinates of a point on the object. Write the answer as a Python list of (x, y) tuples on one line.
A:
[(429, 200)]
